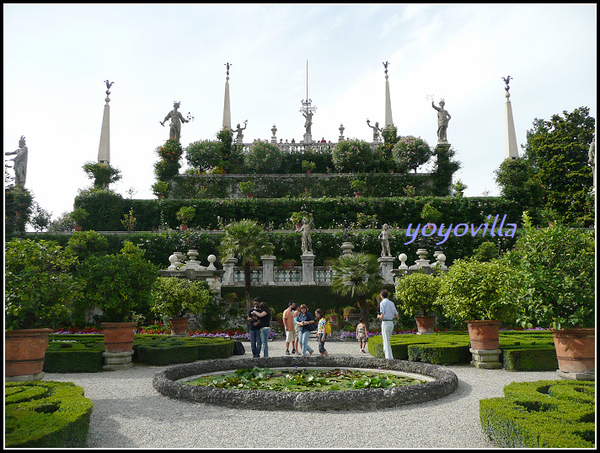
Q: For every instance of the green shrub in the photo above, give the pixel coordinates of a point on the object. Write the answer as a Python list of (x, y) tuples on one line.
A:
[(541, 414), (352, 156), (107, 207), (416, 293), (46, 414), (72, 356), (263, 158), (173, 297)]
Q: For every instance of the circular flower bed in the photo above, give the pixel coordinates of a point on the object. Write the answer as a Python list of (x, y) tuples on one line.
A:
[(170, 383)]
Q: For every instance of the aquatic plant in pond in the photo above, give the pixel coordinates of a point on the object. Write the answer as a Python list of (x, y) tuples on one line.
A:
[(303, 380)]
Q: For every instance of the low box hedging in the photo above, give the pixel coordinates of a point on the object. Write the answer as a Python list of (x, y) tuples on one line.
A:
[(530, 358), (160, 350), (541, 414), (46, 414), (74, 356)]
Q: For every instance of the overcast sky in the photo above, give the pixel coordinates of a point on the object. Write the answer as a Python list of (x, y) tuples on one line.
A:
[(57, 56)]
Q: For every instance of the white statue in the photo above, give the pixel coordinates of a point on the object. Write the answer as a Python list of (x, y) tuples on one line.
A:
[(443, 118), (20, 161), (306, 228), (176, 120), (384, 237)]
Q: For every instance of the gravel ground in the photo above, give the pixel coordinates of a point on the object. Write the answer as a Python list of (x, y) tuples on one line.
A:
[(129, 413)]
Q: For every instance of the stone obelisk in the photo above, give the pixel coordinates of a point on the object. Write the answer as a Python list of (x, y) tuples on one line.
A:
[(389, 122), (226, 108), (512, 152), (104, 148)]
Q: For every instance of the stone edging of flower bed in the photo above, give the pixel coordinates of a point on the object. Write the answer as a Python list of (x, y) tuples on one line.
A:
[(166, 383)]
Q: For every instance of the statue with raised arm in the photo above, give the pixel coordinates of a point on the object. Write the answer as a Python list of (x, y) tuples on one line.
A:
[(240, 136), (305, 229), (176, 120), (443, 118), (308, 123), (376, 130), (20, 162)]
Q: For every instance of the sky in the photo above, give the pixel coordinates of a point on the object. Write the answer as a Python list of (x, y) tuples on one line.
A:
[(57, 57)]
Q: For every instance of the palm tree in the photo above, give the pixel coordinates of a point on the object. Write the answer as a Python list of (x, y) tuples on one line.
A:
[(357, 275), (248, 241)]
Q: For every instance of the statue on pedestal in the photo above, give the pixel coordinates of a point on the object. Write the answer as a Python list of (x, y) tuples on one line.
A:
[(384, 237), (176, 120), (376, 130), (20, 162), (305, 229), (308, 123), (240, 136), (443, 118)]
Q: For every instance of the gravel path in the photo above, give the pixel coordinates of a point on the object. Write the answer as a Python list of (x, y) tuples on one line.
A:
[(129, 413)]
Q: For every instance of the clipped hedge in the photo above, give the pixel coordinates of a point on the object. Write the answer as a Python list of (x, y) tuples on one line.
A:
[(46, 414), (541, 414), (74, 356), (160, 350)]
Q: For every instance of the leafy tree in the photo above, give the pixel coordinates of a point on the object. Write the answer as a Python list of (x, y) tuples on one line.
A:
[(517, 181), (18, 203), (84, 244), (411, 152), (443, 170), (352, 156), (558, 153), (357, 275), (102, 174), (63, 223), (168, 165), (247, 241), (40, 218), (204, 155), (263, 158)]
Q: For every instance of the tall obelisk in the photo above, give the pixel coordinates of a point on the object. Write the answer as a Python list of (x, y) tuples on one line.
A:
[(104, 148), (512, 152), (226, 108), (389, 122)]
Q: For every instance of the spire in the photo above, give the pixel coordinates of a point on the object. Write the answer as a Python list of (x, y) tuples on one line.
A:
[(104, 148), (226, 108), (512, 152), (388, 104)]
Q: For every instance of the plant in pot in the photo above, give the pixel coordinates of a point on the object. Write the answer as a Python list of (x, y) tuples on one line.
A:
[(552, 280), (359, 186), (119, 285), (78, 216), (416, 294), (308, 166), (39, 291), (185, 215), (247, 188), (173, 298), (288, 263), (471, 292), (160, 188)]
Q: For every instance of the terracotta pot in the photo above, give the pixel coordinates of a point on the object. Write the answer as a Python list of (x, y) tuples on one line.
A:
[(77, 227), (425, 324), (484, 334), (118, 336), (183, 227), (24, 351), (575, 350), (179, 326)]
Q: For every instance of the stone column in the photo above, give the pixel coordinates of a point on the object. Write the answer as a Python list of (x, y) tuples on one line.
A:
[(104, 148), (268, 266), (226, 107), (386, 264), (512, 151), (308, 268), (228, 267)]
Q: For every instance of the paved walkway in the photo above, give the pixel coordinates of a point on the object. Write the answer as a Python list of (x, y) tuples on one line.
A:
[(129, 413)]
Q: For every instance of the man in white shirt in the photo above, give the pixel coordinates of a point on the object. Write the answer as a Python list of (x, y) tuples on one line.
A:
[(387, 315)]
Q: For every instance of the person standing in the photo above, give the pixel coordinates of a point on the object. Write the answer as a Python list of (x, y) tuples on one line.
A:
[(288, 325), (298, 331), (321, 332), (361, 334), (304, 320), (254, 329), (264, 325), (387, 315)]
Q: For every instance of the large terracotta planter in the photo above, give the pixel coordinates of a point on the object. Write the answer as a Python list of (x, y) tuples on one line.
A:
[(118, 336), (484, 334), (179, 326), (24, 352), (575, 350), (425, 324)]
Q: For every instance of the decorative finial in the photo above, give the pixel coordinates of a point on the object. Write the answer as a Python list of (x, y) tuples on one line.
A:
[(385, 65), (506, 80), (228, 66), (108, 85)]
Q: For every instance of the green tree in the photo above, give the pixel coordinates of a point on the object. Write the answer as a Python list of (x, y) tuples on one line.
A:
[(18, 203), (517, 181), (357, 275), (204, 155), (411, 152), (443, 170), (263, 158), (352, 156), (247, 241), (102, 174), (558, 153)]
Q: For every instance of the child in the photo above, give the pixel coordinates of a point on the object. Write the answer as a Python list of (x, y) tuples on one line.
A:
[(321, 331), (361, 334)]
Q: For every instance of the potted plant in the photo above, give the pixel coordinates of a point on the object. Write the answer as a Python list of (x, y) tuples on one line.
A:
[(416, 294), (308, 166), (359, 186), (78, 216), (552, 279), (289, 263), (185, 215), (173, 298), (471, 292), (247, 188), (119, 285), (348, 310), (160, 188), (39, 293)]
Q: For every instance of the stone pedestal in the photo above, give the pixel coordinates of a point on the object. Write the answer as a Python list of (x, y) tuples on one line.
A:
[(308, 268), (26, 377), (488, 359), (117, 360), (582, 376), (268, 263), (307, 138), (386, 264), (229, 267)]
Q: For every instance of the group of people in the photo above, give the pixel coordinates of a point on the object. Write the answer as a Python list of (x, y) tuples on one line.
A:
[(298, 323)]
